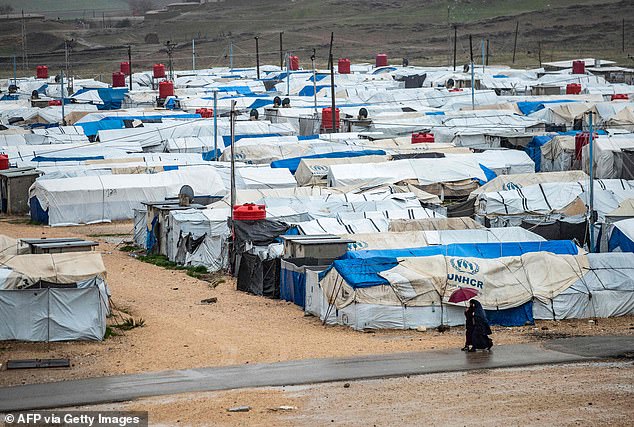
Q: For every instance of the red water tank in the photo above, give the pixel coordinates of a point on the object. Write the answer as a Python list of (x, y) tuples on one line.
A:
[(343, 66), (618, 96), (158, 70), (421, 137), (205, 113), (294, 63), (249, 212), (166, 88), (42, 72), (581, 140), (118, 79), (4, 161), (381, 60), (326, 118), (54, 102), (573, 89), (578, 67), (124, 67)]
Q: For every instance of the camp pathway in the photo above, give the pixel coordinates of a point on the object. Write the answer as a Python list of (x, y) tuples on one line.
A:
[(129, 387)]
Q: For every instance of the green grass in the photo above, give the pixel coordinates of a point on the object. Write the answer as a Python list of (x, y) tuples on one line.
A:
[(196, 272), (129, 248)]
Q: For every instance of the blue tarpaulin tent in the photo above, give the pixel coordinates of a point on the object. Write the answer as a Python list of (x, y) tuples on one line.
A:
[(293, 162)]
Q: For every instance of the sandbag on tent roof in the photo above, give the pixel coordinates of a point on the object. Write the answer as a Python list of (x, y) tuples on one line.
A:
[(477, 250), (91, 199)]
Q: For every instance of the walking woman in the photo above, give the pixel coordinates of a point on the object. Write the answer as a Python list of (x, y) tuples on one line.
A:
[(481, 329), (468, 314)]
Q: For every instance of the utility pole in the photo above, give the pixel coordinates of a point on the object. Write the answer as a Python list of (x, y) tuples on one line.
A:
[(517, 27), (130, 64), (288, 73), (231, 54), (332, 39), (472, 73), (539, 52), (61, 84), (103, 20), (623, 36), (193, 54), (233, 157), (332, 93), (471, 48), (15, 72), (170, 47), (257, 55), (591, 151), (487, 60), (455, 41), (482, 49), (281, 50), (312, 60), (25, 57), (216, 124)]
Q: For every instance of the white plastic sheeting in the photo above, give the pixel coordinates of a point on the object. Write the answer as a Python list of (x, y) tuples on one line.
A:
[(105, 198)]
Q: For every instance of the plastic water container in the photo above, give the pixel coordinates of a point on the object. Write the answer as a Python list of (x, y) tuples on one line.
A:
[(124, 67), (158, 71), (578, 67), (343, 66), (619, 96), (166, 88), (573, 89), (118, 79), (42, 72), (422, 137), (205, 113), (4, 161), (294, 63), (381, 60), (326, 118), (249, 212)]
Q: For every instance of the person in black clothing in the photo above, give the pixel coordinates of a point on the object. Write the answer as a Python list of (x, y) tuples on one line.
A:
[(481, 329), (468, 314)]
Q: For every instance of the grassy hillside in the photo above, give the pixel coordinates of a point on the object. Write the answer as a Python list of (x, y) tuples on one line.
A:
[(417, 29)]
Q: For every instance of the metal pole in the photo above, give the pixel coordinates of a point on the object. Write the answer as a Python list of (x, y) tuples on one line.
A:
[(472, 86), (233, 165), (471, 48), (312, 59), (591, 151), (332, 40), (517, 26), (216, 125), (257, 55), (623, 36), (455, 39), (193, 54), (288, 73), (231, 54), (332, 93), (15, 75), (487, 61), (482, 48), (281, 51), (130, 64), (61, 81)]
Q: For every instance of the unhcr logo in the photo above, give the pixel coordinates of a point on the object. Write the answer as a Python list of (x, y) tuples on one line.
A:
[(468, 268), (464, 265), (357, 246), (512, 186)]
